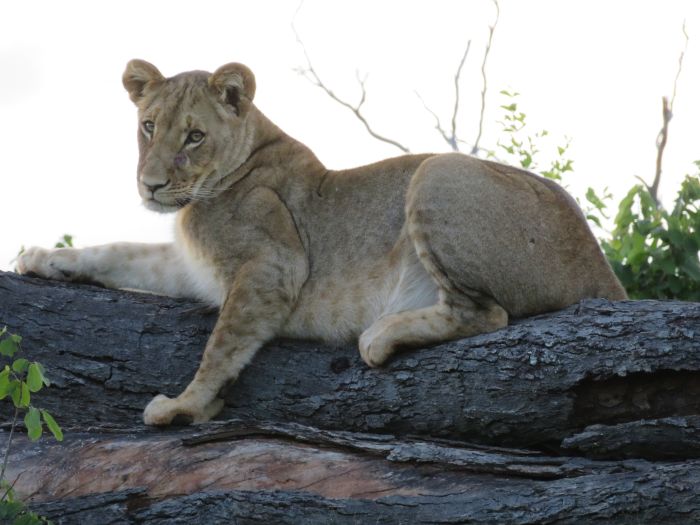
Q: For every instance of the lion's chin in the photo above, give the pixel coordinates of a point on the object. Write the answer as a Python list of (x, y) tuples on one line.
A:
[(159, 207)]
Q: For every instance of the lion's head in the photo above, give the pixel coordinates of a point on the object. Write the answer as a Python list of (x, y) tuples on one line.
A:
[(192, 130)]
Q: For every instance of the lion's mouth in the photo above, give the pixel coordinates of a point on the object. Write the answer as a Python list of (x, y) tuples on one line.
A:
[(182, 202), (160, 207)]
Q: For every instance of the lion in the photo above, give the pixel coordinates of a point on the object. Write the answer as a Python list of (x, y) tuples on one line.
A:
[(406, 252)]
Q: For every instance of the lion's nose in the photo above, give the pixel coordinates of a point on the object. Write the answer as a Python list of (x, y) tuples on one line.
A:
[(155, 187)]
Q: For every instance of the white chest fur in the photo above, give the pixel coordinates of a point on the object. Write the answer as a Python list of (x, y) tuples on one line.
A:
[(200, 275)]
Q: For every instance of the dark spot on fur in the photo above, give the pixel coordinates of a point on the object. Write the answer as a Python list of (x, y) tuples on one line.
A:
[(448, 250), (424, 219)]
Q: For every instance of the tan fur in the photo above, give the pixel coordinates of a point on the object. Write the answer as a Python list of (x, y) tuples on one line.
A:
[(408, 251)]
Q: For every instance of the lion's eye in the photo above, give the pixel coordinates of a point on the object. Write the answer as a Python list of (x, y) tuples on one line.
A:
[(194, 136), (148, 126)]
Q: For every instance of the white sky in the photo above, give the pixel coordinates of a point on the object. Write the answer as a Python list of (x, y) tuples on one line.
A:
[(593, 70)]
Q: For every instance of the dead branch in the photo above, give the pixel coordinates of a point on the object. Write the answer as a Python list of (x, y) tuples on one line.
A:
[(487, 51), (667, 115), (456, 106), (312, 76), (310, 73), (450, 138)]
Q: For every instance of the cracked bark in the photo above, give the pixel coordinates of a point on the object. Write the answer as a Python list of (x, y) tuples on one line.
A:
[(573, 417)]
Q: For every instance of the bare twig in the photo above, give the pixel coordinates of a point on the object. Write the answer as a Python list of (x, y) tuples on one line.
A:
[(311, 75), (11, 487), (661, 140), (680, 65), (667, 115), (450, 138), (492, 29), (7, 448), (438, 124), (453, 137)]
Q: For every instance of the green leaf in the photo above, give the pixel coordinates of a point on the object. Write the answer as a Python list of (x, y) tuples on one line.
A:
[(594, 219), (35, 379), (15, 392), (595, 200), (691, 267), (20, 365), (4, 383), (33, 422), (43, 374), (16, 338), (25, 396), (8, 347), (10, 511), (52, 425), (667, 266), (65, 242)]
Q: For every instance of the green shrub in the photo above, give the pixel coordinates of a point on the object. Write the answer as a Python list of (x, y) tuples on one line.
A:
[(655, 252)]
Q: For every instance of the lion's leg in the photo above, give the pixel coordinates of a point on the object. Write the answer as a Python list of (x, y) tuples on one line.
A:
[(256, 307), (438, 231), (151, 267), (426, 326), (262, 293)]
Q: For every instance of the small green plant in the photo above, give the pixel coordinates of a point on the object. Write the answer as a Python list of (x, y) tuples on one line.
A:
[(66, 241), (655, 253), (19, 379), (14, 512), (521, 148)]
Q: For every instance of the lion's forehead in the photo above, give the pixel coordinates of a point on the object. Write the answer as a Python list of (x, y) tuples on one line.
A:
[(183, 102)]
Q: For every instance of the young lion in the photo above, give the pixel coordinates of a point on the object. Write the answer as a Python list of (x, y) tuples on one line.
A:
[(409, 251)]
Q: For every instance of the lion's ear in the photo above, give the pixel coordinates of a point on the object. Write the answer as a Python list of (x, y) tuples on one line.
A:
[(138, 76), (235, 86)]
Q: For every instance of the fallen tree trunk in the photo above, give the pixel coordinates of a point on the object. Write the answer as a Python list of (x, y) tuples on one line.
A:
[(534, 383), (287, 473), (598, 380)]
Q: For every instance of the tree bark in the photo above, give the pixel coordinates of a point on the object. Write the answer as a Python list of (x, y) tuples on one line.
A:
[(572, 417)]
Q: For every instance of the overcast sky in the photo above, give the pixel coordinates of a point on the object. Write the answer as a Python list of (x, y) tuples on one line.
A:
[(591, 70)]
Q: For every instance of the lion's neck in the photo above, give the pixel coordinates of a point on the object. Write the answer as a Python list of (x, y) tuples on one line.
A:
[(273, 158)]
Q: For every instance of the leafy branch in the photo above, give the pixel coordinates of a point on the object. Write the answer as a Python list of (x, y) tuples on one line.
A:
[(19, 379)]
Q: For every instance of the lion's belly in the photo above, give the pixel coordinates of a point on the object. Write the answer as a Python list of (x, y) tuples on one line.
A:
[(340, 306)]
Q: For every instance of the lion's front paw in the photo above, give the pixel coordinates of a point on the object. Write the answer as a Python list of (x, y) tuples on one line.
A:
[(60, 264), (162, 411)]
